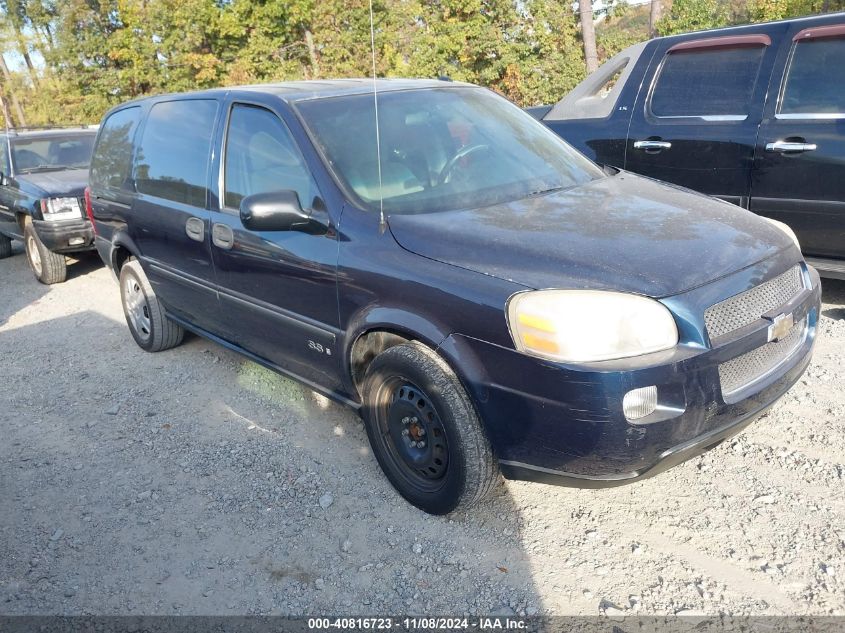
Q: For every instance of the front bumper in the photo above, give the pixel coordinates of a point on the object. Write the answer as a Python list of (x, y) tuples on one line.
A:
[(66, 236), (564, 425)]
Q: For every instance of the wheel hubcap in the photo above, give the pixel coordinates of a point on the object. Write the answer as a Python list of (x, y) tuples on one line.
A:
[(415, 434), (137, 309), (34, 255)]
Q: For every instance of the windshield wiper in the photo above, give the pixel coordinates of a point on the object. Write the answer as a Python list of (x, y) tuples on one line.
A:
[(44, 168), (540, 192)]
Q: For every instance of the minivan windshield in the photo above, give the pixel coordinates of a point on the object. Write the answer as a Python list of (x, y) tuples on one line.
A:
[(441, 149), (52, 152)]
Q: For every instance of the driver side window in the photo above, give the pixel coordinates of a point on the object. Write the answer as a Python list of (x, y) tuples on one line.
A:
[(261, 156)]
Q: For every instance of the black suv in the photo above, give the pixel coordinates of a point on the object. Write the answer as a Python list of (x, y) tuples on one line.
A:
[(484, 295), (753, 114), (43, 173)]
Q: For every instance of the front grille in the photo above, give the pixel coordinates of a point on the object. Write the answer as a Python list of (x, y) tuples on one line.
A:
[(747, 369), (745, 308)]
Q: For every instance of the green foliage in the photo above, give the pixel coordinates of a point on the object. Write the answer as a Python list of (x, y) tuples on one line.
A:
[(92, 54), (694, 15)]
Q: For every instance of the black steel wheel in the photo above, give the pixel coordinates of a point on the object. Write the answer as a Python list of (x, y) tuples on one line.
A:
[(424, 430)]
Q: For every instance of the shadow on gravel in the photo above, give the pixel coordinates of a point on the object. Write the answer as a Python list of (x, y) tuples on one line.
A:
[(833, 291), (196, 482), (15, 294), (83, 264)]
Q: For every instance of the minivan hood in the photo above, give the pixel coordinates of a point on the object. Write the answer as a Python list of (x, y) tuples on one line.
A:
[(624, 233), (55, 184)]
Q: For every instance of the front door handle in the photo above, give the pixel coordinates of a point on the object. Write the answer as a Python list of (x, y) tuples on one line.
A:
[(222, 236), (195, 228), (790, 146), (652, 145)]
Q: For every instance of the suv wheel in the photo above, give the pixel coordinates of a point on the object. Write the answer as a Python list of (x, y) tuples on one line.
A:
[(425, 432), (5, 247), (47, 266), (145, 316)]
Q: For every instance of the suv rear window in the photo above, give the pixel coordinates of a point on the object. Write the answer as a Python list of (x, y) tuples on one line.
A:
[(174, 152), (815, 79), (111, 163), (707, 82)]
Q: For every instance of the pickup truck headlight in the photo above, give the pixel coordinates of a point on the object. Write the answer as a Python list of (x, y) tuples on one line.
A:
[(61, 208), (580, 326), (785, 228)]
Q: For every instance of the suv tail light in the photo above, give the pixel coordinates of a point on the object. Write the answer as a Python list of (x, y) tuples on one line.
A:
[(89, 210)]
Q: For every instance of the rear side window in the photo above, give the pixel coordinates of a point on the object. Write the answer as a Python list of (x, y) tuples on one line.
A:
[(261, 156), (112, 160), (707, 83), (174, 151), (815, 81)]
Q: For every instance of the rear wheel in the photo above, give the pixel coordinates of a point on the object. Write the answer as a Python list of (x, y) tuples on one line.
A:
[(47, 266), (425, 432), (5, 247), (145, 316)]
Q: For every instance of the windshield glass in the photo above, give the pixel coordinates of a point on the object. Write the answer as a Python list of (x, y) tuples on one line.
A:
[(66, 151), (441, 149)]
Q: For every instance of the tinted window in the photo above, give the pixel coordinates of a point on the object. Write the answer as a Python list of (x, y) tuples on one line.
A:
[(716, 82), (111, 164), (441, 149), (173, 155), (40, 153), (815, 82), (261, 156)]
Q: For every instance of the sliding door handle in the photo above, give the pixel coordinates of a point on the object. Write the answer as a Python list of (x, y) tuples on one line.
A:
[(195, 229), (222, 236), (789, 146), (652, 145)]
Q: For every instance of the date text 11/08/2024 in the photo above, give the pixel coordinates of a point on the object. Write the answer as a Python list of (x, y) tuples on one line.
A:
[(418, 623)]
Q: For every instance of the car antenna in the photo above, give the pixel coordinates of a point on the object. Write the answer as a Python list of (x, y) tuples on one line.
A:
[(382, 224)]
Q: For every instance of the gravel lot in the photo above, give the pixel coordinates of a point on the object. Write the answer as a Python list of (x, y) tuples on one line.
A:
[(195, 482)]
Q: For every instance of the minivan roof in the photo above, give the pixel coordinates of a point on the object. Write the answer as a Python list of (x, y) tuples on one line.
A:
[(293, 91)]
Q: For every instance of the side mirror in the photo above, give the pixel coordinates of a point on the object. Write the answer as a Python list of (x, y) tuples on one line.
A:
[(274, 211)]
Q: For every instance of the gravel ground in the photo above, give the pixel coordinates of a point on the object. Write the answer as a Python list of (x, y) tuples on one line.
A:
[(195, 482)]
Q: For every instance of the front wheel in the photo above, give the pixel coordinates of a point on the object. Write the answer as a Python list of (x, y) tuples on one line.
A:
[(47, 266), (425, 432), (145, 316)]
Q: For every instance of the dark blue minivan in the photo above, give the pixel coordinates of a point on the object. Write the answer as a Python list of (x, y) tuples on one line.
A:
[(430, 255)]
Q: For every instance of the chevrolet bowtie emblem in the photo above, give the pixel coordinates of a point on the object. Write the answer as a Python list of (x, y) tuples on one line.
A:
[(780, 327)]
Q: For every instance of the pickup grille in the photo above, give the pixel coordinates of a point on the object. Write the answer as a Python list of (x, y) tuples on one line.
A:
[(743, 309), (743, 371)]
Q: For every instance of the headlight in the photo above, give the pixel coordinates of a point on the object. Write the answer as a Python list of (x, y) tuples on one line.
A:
[(785, 228), (589, 325), (61, 208)]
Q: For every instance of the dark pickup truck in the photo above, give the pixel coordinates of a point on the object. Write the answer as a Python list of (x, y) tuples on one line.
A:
[(43, 174), (754, 115)]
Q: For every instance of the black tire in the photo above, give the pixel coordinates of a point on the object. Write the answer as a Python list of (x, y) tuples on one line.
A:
[(47, 266), (5, 247), (409, 394), (145, 316)]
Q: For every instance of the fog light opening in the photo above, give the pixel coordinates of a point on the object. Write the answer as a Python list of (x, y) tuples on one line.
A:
[(639, 403), (76, 241)]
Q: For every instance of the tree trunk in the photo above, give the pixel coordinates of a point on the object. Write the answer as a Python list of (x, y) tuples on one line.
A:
[(7, 77), (24, 51), (588, 34), (312, 54), (654, 17)]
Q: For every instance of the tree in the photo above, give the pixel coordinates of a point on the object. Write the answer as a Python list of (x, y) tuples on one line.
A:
[(654, 17), (588, 35)]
